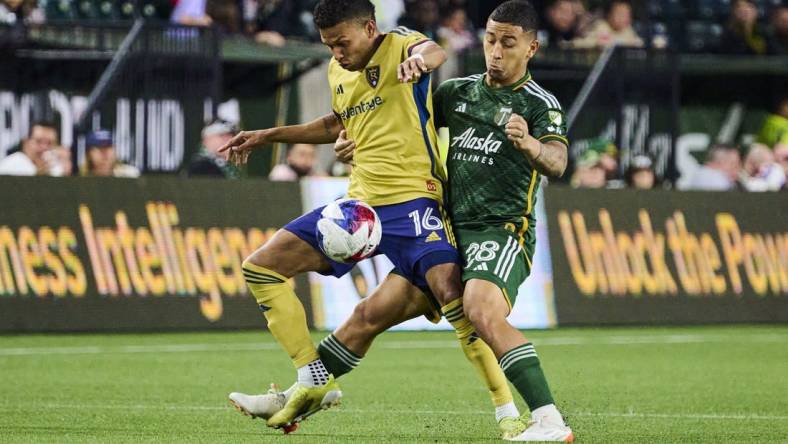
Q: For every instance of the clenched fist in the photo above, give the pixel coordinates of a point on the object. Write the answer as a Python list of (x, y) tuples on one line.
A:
[(517, 132)]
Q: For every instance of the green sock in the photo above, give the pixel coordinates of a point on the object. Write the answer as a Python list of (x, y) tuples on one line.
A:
[(336, 357), (521, 366)]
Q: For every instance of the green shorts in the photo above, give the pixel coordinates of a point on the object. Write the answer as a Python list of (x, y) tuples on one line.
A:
[(497, 255)]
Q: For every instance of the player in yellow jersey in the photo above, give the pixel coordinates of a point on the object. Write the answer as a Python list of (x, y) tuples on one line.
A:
[(381, 98)]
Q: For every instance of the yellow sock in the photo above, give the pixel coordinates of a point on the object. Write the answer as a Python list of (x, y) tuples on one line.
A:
[(478, 353), (284, 312)]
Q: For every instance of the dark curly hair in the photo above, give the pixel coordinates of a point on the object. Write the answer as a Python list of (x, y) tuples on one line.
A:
[(330, 13), (517, 12)]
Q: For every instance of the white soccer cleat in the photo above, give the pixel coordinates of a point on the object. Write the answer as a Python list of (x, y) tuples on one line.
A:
[(545, 429), (259, 406)]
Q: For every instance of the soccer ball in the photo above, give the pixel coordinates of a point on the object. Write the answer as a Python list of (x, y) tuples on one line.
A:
[(348, 230)]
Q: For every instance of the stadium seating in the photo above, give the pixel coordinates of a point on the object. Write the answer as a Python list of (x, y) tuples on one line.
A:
[(106, 10), (702, 36), (710, 10), (666, 10), (58, 10)]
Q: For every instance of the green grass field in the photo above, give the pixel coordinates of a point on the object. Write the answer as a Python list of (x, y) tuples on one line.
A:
[(657, 385)]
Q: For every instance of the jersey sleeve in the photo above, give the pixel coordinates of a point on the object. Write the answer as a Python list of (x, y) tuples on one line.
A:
[(411, 40), (440, 102), (548, 124)]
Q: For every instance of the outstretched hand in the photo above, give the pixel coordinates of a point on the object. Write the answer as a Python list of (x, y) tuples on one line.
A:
[(239, 147)]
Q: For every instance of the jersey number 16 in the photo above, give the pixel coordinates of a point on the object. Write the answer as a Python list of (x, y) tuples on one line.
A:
[(425, 222)]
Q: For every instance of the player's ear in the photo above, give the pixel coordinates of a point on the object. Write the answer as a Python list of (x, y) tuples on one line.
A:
[(533, 47), (370, 27)]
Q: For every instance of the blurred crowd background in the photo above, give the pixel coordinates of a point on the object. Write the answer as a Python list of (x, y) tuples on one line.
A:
[(734, 27), (725, 26)]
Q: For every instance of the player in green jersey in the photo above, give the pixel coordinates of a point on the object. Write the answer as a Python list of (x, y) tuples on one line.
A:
[(499, 132), (505, 132)]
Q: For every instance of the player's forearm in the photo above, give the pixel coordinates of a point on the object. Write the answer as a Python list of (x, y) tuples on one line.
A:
[(322, 130), (548, 158), (434, 56)]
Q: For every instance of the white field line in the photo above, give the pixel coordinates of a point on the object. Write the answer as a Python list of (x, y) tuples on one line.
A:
[(395, 345), (187, 408)]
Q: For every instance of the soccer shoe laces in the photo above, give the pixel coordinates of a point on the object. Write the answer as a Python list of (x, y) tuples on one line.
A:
[(273, 389)]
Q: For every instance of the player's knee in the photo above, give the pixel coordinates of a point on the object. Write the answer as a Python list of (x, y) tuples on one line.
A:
[(446, 291), (248, 263), (364, 321), (444, 282), (484, 321), (264, 257), (257, 259), (474, 314)]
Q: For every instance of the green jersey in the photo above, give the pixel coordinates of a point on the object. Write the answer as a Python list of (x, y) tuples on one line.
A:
[(492, 183)]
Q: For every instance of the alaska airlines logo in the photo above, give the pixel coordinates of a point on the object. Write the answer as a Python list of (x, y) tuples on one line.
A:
[(361, 108), (469, 140)]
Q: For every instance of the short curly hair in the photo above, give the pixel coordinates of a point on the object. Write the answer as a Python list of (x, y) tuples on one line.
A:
[(517, 12), (330, 13)]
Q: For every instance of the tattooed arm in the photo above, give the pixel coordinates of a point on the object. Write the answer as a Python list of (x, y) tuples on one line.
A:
[(548, 158)]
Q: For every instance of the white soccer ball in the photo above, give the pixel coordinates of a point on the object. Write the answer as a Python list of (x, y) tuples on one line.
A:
[(348, 230)]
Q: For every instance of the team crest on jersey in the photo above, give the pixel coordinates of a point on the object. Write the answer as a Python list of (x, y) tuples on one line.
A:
[(503, 115), (555, 118), (373, 75)]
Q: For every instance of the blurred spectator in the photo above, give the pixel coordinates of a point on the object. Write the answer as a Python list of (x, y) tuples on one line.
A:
[(299, 163), (608, 157), (640, 174), (585, 18), (387, 12), (720, 171), (454, 33), (743, 35), (277, 20), (20, 11), (614, 27), (101, 160), (778, 33), (226, 14), (31, 160), (422, 16), (59, 161), (761, 172), (775, 127), (781, 156), (339, 169), (208, 161), (589, 172), (191, 13), (560, 23)]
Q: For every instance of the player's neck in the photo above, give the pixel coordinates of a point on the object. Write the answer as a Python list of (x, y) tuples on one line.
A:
[(375, 45), (492, 83)]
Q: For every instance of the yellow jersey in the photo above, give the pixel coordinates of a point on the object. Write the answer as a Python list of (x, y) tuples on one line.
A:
[(396, 157)]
